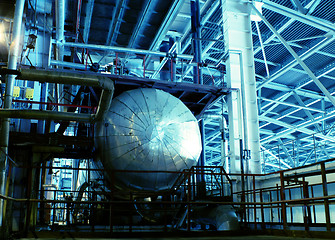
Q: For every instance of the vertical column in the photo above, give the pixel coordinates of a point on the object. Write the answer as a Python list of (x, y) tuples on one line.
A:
[(5, 123), (196, 35), (282, 198), (325, 193), (242, 105), (60, 21)]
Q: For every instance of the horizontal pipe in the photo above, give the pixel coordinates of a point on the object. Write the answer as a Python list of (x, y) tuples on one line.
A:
[(46, 115), (68, 64), (52, 104), (120, 49), (310, 200), (66, 77), (71, 78)]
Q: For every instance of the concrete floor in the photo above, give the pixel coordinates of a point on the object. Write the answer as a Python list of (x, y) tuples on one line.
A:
[(261, 237)]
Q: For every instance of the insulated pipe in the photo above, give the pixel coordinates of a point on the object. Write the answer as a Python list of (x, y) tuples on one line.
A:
[(60, 20), (67, 77), (104, 104), (12, 65), (71, 78), (46, 115)]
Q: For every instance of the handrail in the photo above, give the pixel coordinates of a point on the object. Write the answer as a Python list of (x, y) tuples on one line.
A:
[(168, 202)]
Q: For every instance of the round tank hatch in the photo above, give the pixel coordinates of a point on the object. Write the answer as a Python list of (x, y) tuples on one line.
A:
[(147, 130)]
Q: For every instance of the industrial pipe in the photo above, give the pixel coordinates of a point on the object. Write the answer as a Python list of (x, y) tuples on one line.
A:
[(60, 20), (120, 49), (46, 115), (12, 65), (65, 77)]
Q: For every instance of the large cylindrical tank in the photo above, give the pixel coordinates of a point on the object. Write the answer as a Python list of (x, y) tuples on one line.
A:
[(147, 130)]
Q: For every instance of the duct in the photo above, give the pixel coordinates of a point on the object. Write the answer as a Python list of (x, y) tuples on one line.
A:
[(147, 130)]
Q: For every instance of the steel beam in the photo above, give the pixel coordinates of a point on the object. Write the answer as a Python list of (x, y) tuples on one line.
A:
[(298, 59), (88, 19), (294, 63), (170, 17), (147, 9), (116, 21), (307, 19), (301, 127)]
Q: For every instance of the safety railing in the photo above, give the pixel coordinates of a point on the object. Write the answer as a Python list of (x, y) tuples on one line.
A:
[(294, 200)]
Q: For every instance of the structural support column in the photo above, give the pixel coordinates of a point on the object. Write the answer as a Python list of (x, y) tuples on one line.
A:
[(196, 35), (242, 104), (12, 65)]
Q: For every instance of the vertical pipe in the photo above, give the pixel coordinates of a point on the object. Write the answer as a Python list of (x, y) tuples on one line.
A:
[(314, 213), (144, 66), (307, 211), (262, 208), (282, 198), (196, 35), (172, 44), (130, 214), (42, 192), (271, 212), (54, 208), (116, 61), (278, 210), (325, 193), (291, 208), (60, 20), (201, 183), (12, 65), (314, 143), (189, 202), (254, 198)]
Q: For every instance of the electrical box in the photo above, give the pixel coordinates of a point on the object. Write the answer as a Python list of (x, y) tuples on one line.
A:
[(29, 93), (16, 91)]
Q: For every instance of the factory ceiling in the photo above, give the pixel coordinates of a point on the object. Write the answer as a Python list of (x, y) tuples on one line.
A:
[(294, 61)]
